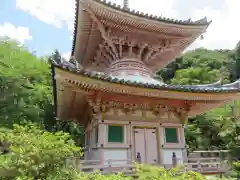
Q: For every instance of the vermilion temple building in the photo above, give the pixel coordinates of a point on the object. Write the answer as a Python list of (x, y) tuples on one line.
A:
[(111, 90)]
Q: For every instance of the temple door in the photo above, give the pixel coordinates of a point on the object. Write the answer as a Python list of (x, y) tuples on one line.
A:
[(145, 145), (151, 146), (140, 150)]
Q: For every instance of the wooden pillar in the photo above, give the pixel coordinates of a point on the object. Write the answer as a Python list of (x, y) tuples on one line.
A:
[(183, 141), (158, 144), (86, 146), (129, 141), (161, 142), (102, 135)]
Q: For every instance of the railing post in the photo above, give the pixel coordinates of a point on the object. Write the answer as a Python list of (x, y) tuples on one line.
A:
[(174, 160), (110, 164), (199, 166), (138, 158), (185, 167), (77, 163)]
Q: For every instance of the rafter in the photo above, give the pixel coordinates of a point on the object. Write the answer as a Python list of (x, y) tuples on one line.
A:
[(101, 28)]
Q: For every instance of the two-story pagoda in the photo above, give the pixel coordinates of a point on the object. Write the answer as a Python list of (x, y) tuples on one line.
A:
[(124, 110)]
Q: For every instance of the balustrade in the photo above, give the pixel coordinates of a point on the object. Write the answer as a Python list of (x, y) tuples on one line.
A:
[(195, 162)]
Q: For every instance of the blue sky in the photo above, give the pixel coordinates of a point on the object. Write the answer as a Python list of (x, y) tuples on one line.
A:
[(45, 37), (45, 25)]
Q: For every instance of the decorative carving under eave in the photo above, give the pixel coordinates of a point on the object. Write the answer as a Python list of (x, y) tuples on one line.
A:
[(129, 109), (180, 113), (103, 30), (127, 46), (95, 105), (100, 106), (104, 55), (159, 110)]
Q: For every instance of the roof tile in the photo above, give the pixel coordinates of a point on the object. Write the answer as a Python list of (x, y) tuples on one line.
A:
[(233, 87)]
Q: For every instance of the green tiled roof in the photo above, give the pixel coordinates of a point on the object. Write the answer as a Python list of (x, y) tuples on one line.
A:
[(154, 84)]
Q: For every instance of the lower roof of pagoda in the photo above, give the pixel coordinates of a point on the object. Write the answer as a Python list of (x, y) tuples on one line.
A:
[(148, 82), (98, 22), (73, 86)]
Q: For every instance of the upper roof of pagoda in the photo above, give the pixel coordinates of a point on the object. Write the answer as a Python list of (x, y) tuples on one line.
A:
[(105, 32)]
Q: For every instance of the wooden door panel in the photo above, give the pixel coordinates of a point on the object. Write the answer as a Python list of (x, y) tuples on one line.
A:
[(151, 146), (139, 139)]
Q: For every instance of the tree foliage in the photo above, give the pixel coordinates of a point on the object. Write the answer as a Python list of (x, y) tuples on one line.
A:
[(218, 128), (26, 92), (34, 152)]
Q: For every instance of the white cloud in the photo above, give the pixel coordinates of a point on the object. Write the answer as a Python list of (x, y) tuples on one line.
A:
[(66, 56), (61, 12), (222, 33), (18, 33), (56, 12), (155, 7)]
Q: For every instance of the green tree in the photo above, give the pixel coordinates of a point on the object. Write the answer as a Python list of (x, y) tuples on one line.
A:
[(56, 56), (33, 152), (25, 85), (217, 61), (26, 90), (216, 128)]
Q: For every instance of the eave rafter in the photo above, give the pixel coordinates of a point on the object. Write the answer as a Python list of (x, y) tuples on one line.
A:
[(181, 114), (104, 32), (102, 57)]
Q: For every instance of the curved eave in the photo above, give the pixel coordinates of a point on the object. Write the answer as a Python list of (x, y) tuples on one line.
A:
[(146, 16), (198, 27), (112, 13), (75, 26), (106, 83)]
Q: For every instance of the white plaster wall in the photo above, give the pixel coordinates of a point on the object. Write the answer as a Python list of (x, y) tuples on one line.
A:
[(85, 155), (94, 154), (91, 154), (167, 155), (115, 154)]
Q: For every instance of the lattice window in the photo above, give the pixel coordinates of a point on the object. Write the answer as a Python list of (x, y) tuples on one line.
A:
[(171, 135), (116, 134)]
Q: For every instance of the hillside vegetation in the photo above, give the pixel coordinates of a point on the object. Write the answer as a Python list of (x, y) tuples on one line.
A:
[(26, 96), (26, 93)]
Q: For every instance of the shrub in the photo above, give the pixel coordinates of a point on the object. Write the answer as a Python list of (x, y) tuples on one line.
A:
[(145, 172), (156, 173), (30, 153), (34, 152), (236, 168)]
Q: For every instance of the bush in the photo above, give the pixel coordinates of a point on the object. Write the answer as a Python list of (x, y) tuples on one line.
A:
[(236, 168), (33, 152), (156, 173), (30, 153), (144, 172)]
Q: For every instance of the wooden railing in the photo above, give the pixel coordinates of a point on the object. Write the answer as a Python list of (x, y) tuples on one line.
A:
[(207, 165), (109, 166), (215, 161), (201, 165)]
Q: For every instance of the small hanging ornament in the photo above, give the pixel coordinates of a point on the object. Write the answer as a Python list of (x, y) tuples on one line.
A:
[(201, 37)]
